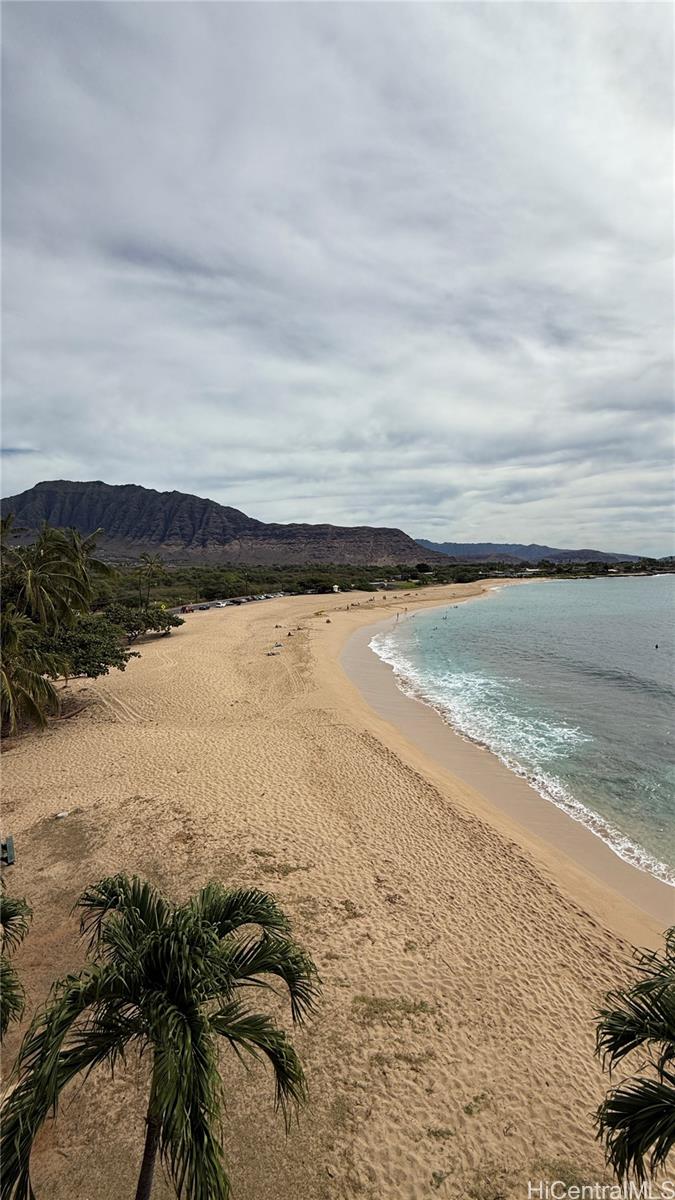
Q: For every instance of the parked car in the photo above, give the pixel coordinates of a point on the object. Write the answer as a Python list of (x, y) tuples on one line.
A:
[(203, 607), (221, 604)]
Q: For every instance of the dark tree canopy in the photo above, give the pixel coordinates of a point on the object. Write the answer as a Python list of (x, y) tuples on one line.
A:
[(48, 629), (91, 646), (138, 621)]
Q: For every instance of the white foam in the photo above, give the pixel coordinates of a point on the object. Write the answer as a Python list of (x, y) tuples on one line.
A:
[(460, 699)]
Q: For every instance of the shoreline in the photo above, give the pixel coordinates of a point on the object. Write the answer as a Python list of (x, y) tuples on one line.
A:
[(502, 789), (463, 959)]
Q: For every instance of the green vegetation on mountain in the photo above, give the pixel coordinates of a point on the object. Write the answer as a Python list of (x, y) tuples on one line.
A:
[(518, 552)]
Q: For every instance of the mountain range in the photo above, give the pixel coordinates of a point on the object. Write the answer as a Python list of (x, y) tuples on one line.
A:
[(185, 528), (515, 552)]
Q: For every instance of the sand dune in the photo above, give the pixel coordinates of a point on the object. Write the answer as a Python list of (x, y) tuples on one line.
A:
[(452, 1054)]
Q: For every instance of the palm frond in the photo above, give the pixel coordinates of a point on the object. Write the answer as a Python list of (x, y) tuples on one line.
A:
[(251, 959), (158, 970), (187, 1102), (27, 1107), (642, 1014), (12, 995), (46, 1063), (68, 1000), (15, 916), (637, 1123), (82, 551), (259, 1036), (228, 909), (138, 902), (24, 690), (6, 528)]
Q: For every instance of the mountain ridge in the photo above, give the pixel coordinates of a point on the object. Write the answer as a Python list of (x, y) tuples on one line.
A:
[(183, 527), (519, 552)]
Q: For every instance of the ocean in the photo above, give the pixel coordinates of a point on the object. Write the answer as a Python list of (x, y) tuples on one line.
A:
[(563, 681)]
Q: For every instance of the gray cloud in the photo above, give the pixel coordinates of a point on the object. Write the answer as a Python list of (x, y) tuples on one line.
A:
[(392, 263)]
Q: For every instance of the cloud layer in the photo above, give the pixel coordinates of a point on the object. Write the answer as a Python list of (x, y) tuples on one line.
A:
[(401, 264)]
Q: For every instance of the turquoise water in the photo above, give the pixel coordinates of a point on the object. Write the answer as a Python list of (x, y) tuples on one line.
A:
[(563, 682)]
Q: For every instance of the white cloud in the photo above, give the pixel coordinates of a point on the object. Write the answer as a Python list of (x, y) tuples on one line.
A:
[(388, 263)]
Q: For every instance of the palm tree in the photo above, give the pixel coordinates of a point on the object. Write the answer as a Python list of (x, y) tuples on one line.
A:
[(163, 979), (7, 531), (14, 921), (151, 568), (25, 692), (52, 586), (52, 578), (46, 586), (636, 1121), (82, 551)]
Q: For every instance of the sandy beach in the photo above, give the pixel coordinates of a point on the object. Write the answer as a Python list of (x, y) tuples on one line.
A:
[(463, 944)]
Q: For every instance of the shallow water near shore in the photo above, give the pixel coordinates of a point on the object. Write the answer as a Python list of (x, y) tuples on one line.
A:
[(562, 680)]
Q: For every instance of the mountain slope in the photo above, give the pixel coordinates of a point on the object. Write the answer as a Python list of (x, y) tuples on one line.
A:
[(515, 552), (183, 528)]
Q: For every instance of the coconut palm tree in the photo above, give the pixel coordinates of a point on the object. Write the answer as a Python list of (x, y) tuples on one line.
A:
[(51, 585), (14, 921), (46, 587), (82, 551), (151, 568), (164, 980), (636, 1121), (25, 692)]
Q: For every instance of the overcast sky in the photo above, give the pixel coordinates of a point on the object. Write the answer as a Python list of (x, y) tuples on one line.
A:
[(396, 264)]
